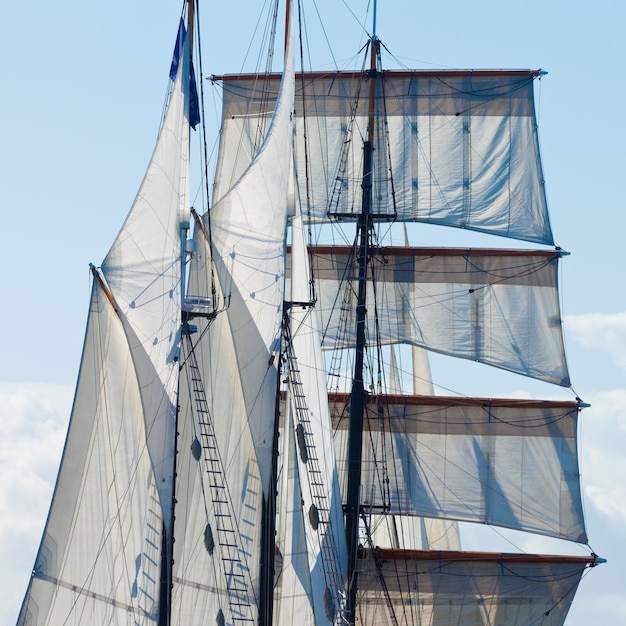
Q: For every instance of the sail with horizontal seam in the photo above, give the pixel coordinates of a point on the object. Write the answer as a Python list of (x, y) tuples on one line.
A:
[(498, 307), (440, 588), (509, 463), (456, 148)]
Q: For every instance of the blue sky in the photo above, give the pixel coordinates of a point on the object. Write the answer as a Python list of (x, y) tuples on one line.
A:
[(84, 87)]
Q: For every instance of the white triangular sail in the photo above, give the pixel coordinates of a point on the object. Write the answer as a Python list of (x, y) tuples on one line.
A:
[(117, 474), (143, 271), (99, 556), (293, 585), (216, 568), (248, 227)]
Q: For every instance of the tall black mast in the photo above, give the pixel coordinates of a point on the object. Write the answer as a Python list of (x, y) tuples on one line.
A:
[(167, 536), (357, 395), (268, 520)]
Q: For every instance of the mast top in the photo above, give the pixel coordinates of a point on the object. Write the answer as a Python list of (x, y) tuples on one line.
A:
[(374, 36)]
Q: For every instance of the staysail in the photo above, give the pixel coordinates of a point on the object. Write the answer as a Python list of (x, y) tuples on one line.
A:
[(116, 479), (99, 554), (312, 474), (229, 384)]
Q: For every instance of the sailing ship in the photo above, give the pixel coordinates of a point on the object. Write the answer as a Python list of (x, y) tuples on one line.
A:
[(247, 443)]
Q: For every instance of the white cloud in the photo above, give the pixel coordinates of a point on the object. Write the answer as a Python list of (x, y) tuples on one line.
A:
[(34, 420), (600, 606), (603, 462), (601, 331)]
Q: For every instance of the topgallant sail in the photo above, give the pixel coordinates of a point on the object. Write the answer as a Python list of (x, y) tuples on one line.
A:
[(245, 444)]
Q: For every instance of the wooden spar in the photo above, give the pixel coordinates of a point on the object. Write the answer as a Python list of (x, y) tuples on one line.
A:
[(408, 251), (198, 223), (387, 73), (458, 401), (287, 24), (395, 554), (105, 289)]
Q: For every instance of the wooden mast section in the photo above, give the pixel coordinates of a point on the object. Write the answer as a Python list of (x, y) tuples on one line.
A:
[(357, 396)]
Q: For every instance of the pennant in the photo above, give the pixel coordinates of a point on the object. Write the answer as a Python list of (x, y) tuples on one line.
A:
[(190, 91)]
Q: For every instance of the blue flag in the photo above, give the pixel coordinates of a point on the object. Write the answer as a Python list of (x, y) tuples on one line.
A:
[(190, 91)]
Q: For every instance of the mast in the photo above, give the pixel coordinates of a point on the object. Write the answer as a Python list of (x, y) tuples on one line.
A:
[(268, 529), (357, 395), (268, 519), (167, 539)]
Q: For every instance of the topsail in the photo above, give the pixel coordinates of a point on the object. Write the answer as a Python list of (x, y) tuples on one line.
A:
[(461, 147)]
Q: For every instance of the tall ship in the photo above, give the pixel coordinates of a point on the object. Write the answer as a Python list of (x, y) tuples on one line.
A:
[(256, 437)]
